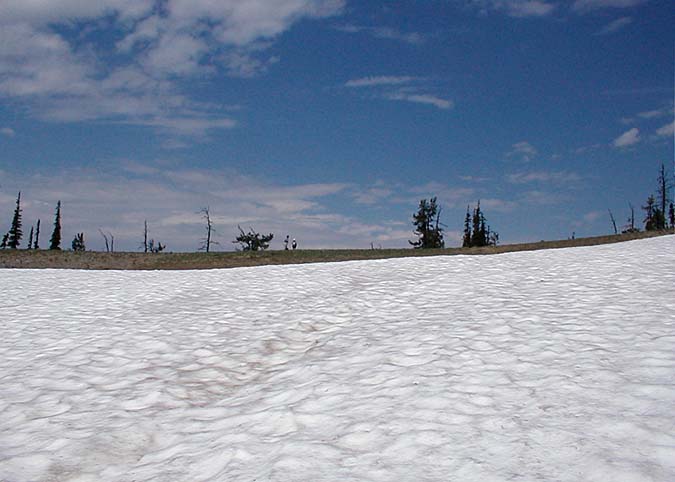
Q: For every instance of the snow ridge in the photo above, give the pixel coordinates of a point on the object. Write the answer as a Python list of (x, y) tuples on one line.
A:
[(549, 365)]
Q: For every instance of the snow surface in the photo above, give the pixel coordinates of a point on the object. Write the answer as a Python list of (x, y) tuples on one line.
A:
[(551, 365)]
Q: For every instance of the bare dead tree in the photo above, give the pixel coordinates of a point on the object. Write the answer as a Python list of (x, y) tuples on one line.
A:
[(664, 186), (145, 236), (156, 248), (630, 227), (210, 231), (611, 216), (109, 241)]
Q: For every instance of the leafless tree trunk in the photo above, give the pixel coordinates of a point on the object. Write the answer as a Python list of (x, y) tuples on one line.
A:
[(207, 241), (611, 216), (109, 241), (145, 236)]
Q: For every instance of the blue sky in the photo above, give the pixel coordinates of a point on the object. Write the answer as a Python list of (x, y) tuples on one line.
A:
[(330, 119)]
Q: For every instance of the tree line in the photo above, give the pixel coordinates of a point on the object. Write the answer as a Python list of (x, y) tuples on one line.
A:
[(659, 215), (248, 241), (12, 239)]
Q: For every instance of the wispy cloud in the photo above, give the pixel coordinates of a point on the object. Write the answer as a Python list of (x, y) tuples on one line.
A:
[(523, 151), (628, 138), (374, 81), (119, 199), (7, 132), (583, 6), (387, 33), (413, 89), (615, 26), (559, 177), (516, 8), (666, 131), (656, 113), (427, 99), (529, 8)]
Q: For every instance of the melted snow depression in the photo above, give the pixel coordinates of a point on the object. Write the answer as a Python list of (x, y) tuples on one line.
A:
[(549, 365)]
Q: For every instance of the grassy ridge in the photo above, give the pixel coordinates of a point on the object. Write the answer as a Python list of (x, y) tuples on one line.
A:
[(177, 261)]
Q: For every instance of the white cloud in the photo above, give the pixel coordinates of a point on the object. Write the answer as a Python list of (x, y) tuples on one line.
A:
[(615, 26), (628, 138), (516, 8), (387, 33), (560, 177), (588, 5), (379, 80), (373, 195), (162, 44), (523, 151), (428, 99), (656, 113), (666, 131), (7, 132), (593, 216), (119, 200), (530, 8)]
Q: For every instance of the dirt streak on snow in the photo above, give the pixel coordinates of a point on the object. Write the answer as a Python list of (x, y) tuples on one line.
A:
[(551, 365)]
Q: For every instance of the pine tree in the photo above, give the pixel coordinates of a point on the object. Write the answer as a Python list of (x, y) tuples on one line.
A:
[(36, 244), (663, 188), (671, 216), (428, 226), (477, 232), (78, 242), (15, 233), (650, 209), (3, 243), (466, 242), (30, 239), (253, 241), (55, 241), (476, 239)]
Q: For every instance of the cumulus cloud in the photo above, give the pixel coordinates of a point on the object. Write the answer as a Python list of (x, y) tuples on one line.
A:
[(161, 44), (628, 138)]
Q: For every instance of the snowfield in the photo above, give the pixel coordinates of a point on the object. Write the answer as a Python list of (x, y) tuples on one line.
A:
[(540, 366)]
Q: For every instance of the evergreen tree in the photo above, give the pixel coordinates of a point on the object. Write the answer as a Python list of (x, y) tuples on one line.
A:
[(15, 233), (477, 232), (253, 241), (55, 241), (671, 216), (3, 244), (428, 226), (476, 238), (78, 242), (649, 210), (662, 190), (466, 242), (36, 244), (30, 239)]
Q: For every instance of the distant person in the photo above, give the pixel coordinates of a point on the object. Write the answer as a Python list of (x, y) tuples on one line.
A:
[(286, 243), (295, 244)]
